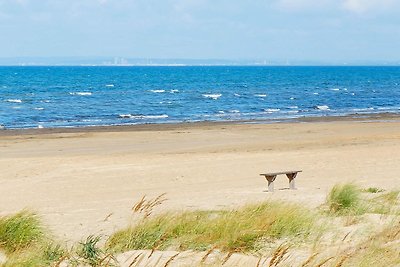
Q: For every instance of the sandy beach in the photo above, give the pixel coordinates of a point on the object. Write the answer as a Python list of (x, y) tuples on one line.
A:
[(86, 181)]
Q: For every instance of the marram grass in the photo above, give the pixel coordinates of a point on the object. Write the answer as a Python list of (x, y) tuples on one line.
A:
[(236, 230), (345, 199), (20, 231)]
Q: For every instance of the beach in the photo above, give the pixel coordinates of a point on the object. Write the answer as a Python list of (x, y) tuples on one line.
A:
[(85, 181)]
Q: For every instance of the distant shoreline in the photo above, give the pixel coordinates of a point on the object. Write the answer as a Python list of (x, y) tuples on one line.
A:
[(376, 117)]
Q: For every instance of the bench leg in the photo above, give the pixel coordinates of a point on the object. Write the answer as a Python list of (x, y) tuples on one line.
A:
[(270, 180), (291, 177)]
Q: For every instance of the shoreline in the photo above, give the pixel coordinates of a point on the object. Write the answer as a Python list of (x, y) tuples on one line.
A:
[(373, 117)]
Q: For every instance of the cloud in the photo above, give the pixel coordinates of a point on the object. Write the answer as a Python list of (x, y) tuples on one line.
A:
[(294, 5), (363, 6)]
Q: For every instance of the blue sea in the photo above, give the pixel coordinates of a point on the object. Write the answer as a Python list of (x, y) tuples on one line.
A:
[(47, 97)]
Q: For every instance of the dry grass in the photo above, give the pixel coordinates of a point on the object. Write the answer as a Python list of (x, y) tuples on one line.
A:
[(236, 230)]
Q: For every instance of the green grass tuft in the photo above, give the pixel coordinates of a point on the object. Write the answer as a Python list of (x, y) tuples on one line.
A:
[(237, 230), (345, 199), (372, 190), (20, 231)]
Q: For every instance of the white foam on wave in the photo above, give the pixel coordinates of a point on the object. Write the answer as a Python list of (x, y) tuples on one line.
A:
[(38, 108), (130, 116), (157, 91), (335, 89), (271, 110), (315, 93), (293, 107), (261, 95), (14, 100), (212, 96), (174, 91), (40, 126), (362, 109), (81, 93), (235, 94), (234, 111), (109, 85), (322, 107)]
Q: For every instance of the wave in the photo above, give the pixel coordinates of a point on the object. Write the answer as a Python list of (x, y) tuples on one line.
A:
[(335, 89), (174, 91), (157, 91), (81, 93), (212, 96), (14, 100), (261, 95), (362, 109), (271, 110), (132, 116), (38, 108), (322, 107), (109, 85)]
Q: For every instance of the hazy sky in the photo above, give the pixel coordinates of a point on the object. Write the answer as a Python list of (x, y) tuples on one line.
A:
[(324, 30)]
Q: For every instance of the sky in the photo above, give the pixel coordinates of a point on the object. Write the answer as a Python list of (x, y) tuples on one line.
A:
[(313, 30)]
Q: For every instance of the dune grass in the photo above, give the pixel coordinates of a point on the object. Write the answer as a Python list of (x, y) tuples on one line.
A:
[(20, 231), (236, 230), (345, 199)]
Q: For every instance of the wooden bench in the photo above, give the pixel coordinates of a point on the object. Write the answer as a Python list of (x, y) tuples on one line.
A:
[(270, 177)]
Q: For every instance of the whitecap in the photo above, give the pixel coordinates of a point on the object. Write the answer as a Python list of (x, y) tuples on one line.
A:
[(335, 89), (174, 91), (221, 112), (157, 91), (81, 93), (212, 96), (234, 111), (293, 107), (261, 95), (322, 107), (236, 94), (271, 110), (109, 85), (130, 116), (292, 98), (14, 100), (125, 116), (362, 109), (315, 93), (39, 108)]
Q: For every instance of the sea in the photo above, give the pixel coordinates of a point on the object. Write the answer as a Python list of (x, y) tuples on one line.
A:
[(51, 97)]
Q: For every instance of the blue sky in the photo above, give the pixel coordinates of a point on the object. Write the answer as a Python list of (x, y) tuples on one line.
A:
[(319, 30)]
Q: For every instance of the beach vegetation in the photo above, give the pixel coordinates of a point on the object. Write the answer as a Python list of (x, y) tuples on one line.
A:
[(239, 230), (20, 231), (90, 253), (345, 199), (373, 190)]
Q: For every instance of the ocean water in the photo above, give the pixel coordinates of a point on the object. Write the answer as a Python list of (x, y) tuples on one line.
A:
[(32, 97)]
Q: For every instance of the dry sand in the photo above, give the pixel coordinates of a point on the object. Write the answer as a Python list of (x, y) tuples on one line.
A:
[(77, 179)]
